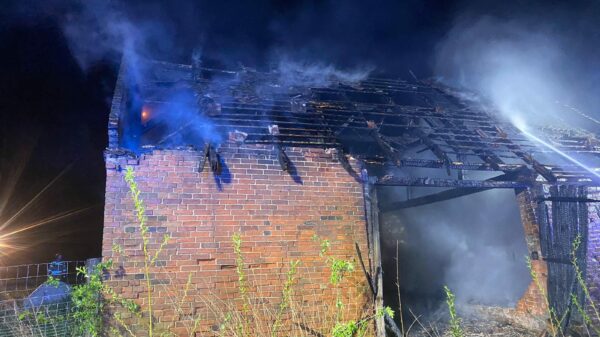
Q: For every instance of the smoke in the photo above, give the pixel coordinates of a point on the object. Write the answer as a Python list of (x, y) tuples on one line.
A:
[(121, 32), (295, 73), (99, 30), (475, 245), (531, 68), (514, 68), (531, 63)]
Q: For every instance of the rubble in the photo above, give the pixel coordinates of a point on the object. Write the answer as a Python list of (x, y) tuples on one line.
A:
[(479, 321)]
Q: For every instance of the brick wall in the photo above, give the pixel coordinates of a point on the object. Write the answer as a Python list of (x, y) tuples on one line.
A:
[(593, 252), (533, 302), (276, 214)]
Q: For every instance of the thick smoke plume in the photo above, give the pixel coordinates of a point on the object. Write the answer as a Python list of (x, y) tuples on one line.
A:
[(101, 30), (535, 65), (532, 69), (473, 244)]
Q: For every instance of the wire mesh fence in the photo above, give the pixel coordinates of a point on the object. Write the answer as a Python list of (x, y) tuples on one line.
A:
[(31, 305), (18, 281), (47, 320)]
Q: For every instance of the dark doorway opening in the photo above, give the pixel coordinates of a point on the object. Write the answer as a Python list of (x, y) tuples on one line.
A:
[(474, 244)]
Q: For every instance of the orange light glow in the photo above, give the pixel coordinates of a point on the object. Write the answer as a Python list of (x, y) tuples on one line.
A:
[(145, 114)]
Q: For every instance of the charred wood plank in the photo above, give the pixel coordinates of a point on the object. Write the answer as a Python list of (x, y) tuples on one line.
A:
[(431, 198), (437, 182), (435, 148), (567, 199), (444, 195), (364, 269), (341, 156), (283, 159), (425, 163), (387, 149), (539, 168), (203, 157), (392, 326), (372, 216)]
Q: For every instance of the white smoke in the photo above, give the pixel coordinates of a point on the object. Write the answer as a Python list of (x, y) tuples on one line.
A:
[(523, 68), (295, 73), (475, 245), (101, 31)]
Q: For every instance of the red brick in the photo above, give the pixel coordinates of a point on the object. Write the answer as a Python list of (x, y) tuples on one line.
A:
[(260, 199)]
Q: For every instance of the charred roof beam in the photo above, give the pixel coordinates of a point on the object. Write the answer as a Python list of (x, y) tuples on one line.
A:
[(390, 152), (450, 183), (448, 194), (539, 168), (435, 148)]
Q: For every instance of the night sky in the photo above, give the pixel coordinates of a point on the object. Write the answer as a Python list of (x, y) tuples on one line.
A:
[(59, 60)]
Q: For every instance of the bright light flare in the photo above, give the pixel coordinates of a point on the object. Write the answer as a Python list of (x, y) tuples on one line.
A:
[(7, 240), (18, 228), (34, 199)]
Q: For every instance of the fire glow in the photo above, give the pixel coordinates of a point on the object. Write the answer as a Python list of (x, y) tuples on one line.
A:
[(145, 114)]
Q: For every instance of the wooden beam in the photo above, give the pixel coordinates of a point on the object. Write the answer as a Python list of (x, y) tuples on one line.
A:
[(567, 199), (387, 149), (379, 322), (444, 195), (435, 148), (372, 216), (430, 198), (438, 182), (457, 165)]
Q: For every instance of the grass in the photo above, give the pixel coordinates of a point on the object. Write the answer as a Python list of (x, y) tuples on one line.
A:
[(251, 314), (99, 310), (455, 328), (555, 322)]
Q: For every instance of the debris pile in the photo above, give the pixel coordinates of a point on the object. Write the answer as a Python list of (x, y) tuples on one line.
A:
[(479, 321)]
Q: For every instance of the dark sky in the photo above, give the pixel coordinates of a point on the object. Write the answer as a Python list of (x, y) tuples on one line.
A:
[(53, 118), (58, 64)]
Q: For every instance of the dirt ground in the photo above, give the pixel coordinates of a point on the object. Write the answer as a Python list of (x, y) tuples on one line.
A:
[(479, 321)]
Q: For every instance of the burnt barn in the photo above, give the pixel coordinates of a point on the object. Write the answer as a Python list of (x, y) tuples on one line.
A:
[(283, 157)]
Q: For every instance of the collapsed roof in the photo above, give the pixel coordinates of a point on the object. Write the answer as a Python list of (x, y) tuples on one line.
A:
[(380, 121)]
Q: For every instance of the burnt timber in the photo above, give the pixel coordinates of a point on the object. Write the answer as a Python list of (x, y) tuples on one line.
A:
[(378, 121)]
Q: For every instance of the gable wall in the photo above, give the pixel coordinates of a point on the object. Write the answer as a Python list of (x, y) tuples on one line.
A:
[(276, 216)]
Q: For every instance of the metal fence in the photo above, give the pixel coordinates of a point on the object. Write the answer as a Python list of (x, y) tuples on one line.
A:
[(47, 319), (19, 281)]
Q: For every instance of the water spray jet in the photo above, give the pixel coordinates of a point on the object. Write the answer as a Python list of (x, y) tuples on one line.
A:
[(521, 126)]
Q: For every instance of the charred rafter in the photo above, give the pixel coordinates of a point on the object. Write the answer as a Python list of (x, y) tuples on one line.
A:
[(381, 113), (434, 147), (449, 194), (450, 183)]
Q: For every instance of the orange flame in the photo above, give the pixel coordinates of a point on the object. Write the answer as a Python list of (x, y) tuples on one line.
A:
[(145, 114)]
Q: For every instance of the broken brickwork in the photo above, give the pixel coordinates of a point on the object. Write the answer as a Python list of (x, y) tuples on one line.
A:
[(533, 301), (277, 215)]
